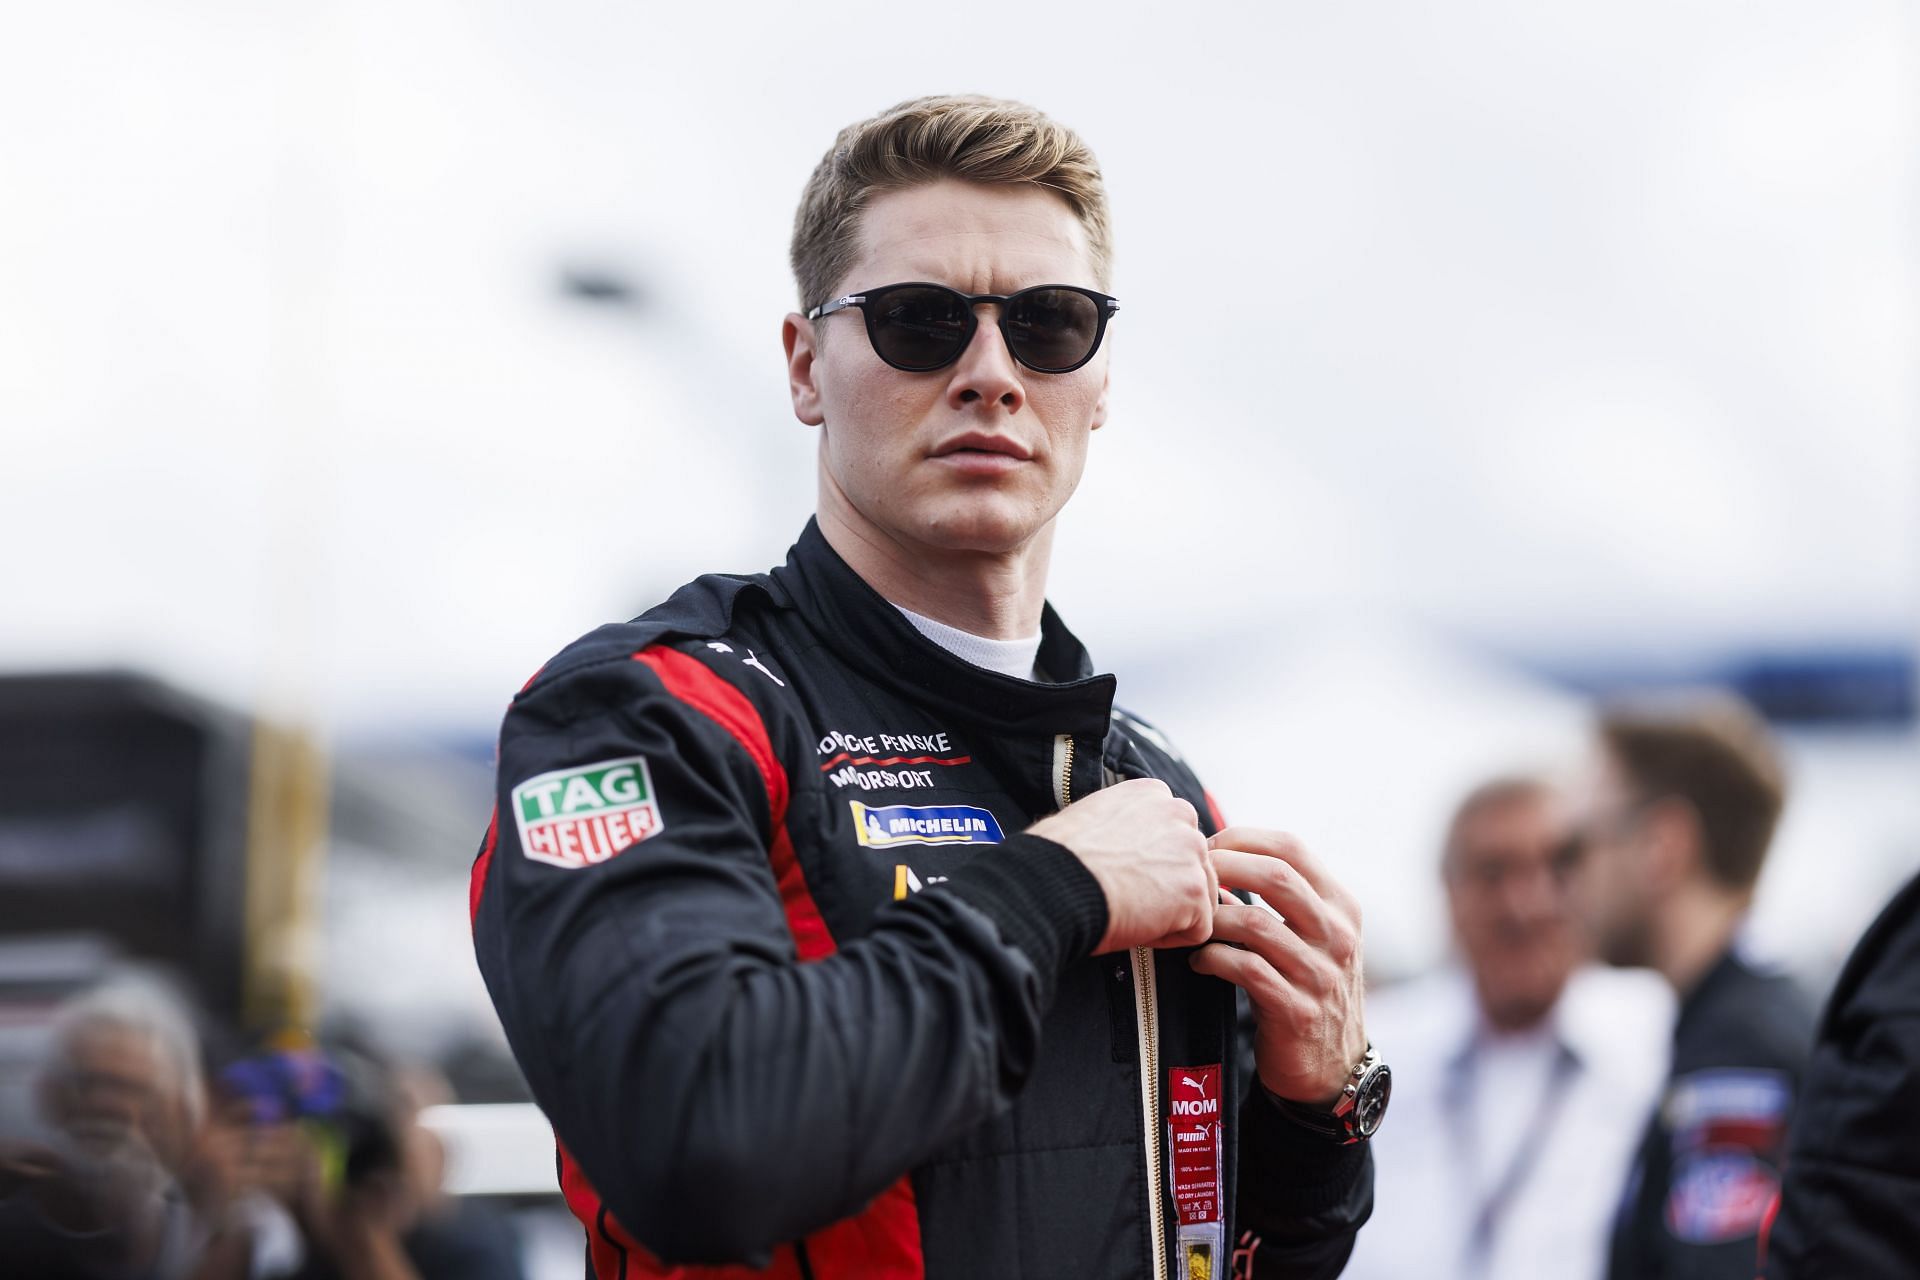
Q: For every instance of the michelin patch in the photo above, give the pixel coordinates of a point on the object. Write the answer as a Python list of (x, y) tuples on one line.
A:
[(889, 826), (582, 816)]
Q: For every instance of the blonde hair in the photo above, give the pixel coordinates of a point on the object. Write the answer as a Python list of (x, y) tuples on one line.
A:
[(964, 136)]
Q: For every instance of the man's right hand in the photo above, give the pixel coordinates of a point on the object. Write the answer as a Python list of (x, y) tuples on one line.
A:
[(1143, 844)]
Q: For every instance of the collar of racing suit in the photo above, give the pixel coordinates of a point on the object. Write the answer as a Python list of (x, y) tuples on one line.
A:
[(858, 623)]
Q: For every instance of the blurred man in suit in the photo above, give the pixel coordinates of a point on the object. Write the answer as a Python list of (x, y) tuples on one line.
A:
[(1526, 1071)]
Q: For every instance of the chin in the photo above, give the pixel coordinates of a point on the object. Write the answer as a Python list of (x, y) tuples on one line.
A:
[(977, 525)]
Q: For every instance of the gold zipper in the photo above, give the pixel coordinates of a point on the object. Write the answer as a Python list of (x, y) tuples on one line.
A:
[(1063, 769), (1147, 1009), (1147, 1028)]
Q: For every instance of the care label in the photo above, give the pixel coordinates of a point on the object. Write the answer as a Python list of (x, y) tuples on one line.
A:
[(1195, 1130)]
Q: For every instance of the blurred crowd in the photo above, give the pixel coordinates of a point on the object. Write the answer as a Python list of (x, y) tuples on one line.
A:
[(162, 1155), (1603, 1082), (1608, 1081)]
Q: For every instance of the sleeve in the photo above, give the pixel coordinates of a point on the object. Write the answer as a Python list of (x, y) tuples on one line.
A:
[(1852, 1176), (722, 1095), (1723, 1143), (1302, 1197)]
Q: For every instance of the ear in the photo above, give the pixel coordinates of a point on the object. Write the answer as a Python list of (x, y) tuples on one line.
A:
[(797, 336), (1100, 405), (1672, 832)]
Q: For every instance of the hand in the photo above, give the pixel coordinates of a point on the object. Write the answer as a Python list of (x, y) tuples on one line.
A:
[(1143, 844), (1300, 968)]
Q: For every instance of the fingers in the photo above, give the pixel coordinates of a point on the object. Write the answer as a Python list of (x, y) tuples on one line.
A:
[(1265, 986), (1287, 849), (1304, 966), (1280, 885)]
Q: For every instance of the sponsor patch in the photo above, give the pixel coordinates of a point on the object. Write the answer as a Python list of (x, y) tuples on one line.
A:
[(1742, 1110), (1719, 1196), (885, 827), (583, 816)]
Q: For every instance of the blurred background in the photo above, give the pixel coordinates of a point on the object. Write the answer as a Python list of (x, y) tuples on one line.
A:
[(1477, 361)]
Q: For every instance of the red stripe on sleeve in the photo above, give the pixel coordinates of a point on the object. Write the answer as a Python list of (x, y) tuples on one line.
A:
[(477, 879), (477, 884), (694, 683), (882, 1242)]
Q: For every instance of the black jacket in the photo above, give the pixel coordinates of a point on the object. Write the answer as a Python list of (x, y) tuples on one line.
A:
[(1709, 1163), (700, 915), (1850, 1205)]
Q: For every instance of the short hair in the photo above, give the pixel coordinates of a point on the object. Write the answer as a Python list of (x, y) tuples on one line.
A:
[(143, 1005), (964, 136), (1715, 753), (1498, 793)]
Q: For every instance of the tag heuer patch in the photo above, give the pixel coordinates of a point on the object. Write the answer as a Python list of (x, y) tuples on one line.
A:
[(579, 817)]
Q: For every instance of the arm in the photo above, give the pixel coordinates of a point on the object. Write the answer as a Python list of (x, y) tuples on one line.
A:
[(721, 1095)]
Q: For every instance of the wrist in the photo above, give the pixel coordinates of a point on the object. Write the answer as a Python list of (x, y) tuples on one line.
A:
[(1354, 1113)]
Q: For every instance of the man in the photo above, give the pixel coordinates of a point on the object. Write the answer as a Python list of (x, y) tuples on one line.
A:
[(840, 923), (1523, 1074), (131, 1186), (1680, 811), (1853, 1167)]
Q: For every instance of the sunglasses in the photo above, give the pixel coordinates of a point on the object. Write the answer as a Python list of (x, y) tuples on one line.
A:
[(920, 327)]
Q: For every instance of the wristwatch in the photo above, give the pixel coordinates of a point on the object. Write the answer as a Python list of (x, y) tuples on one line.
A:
[(1362, 1104)]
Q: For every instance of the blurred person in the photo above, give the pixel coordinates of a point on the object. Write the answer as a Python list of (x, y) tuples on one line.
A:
[(1850, 1200), (448, 1237), (1524, 1072), (840, 923), (1678, 813), (329, 1136), (136, 1185)]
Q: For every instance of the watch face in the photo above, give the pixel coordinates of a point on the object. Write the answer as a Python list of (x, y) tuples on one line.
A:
[(1371, 1106)]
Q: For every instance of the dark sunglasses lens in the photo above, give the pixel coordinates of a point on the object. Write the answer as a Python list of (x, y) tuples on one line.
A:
[(1052, 328), (919, 328)]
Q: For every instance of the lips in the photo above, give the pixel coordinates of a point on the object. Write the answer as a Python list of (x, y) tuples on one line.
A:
[(981, 442)]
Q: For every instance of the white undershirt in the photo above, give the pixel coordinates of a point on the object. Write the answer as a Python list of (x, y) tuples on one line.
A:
[(1014, 658)]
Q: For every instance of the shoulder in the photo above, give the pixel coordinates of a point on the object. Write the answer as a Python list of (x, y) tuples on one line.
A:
[(1879, 978), (712, 644), (1604, 1004), (1165, 761), (1620, 1022), (706, 608), (1760, 1019)]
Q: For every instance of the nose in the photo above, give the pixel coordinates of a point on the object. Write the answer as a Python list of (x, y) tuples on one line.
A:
[(1533, 896), (986, 372)]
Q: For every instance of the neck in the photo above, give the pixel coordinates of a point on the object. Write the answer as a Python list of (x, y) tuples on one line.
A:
[(1694, 928), (998, 595)]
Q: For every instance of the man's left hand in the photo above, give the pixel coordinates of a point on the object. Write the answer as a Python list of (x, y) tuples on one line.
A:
[(1300, 968)]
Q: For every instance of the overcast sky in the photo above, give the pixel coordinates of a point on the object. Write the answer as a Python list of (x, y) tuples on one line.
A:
[(1547, 325)]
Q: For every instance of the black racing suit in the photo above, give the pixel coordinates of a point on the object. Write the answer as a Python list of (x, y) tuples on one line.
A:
[(796, 991), (1708, 1169), (1850, 1205)]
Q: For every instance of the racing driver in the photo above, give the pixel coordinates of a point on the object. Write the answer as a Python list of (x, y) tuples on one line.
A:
[(841, 923)]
